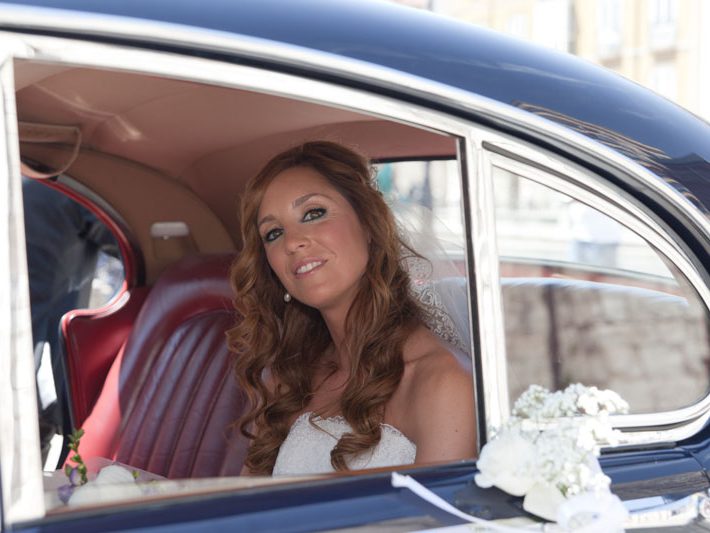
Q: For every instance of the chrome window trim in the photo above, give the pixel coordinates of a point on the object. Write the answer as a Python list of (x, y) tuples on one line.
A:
[(78, 52), (466, 161), (489, 307), (21, 472)]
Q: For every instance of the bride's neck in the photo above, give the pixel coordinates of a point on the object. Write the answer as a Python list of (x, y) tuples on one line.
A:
[(338, 351)]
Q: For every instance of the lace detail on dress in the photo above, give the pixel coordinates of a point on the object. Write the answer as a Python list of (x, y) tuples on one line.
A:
[(436, 315), (307, 447)]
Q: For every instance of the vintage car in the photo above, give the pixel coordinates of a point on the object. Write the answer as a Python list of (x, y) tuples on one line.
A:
[(571, 203)]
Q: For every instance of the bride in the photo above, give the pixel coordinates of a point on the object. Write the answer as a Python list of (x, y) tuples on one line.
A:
[(333, 353)]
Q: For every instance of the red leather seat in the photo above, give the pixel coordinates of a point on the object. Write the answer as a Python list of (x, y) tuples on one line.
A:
[(93, 338), (170, 399)]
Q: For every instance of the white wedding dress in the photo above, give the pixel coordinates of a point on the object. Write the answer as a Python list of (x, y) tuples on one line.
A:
[(306, 449)]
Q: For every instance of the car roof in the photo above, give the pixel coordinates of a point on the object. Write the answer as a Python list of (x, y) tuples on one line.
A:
[(604, 106)]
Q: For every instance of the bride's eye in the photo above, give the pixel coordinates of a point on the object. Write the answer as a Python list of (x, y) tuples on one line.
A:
[(272, 235), (313, 214)]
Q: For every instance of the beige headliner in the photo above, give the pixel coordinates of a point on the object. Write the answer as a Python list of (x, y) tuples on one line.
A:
[(160, 149)]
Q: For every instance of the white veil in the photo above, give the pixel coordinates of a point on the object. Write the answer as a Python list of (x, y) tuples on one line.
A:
[(439, 280)]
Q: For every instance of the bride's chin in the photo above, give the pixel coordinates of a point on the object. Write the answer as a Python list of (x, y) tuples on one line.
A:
[(324, 299)]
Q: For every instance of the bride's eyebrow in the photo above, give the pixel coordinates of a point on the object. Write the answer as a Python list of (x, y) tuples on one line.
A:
[(302, 199), (267, 218), (297, 202)]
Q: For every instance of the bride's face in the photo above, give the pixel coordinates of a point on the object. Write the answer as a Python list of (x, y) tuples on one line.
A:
[(313, 239)]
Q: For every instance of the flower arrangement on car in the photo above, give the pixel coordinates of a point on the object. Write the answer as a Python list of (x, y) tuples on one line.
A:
[(546, 452)]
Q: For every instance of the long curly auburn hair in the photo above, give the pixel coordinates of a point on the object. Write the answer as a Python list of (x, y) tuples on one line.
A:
[(290, 339)]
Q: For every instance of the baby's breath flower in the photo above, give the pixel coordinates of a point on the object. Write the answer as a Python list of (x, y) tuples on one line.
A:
[(564, 431), (530, 402)]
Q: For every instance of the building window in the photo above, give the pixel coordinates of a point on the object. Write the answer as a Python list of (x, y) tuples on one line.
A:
[(551, 24), (610, 17), (663, 24), (663, 12)]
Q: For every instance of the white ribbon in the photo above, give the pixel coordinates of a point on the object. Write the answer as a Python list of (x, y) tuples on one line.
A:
[(407, 482), (586, 513)]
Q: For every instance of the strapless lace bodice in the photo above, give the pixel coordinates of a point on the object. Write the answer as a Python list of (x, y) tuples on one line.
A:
[(306, 449)]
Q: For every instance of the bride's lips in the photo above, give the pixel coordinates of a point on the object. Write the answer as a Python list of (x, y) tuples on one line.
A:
[(307, 266)]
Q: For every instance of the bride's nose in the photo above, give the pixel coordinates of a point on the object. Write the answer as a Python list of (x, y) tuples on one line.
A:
[(295, 239)]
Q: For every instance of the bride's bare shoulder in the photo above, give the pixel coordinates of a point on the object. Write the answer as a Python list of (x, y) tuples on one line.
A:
[(439, 398), (432, 373), (424, 353)]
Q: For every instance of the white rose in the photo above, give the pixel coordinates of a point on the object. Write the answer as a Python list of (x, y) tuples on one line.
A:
[(91, 493), (113, 474), (543, 500), (112, 483), (588, 404), (613, 403), (505, 463)]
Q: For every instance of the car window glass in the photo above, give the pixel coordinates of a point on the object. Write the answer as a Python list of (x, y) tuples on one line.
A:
[(433, 188), (107, 280), (587, 300), (425, 197)]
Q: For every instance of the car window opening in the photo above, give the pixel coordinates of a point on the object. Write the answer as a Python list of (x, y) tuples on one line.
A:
[(180, 207)]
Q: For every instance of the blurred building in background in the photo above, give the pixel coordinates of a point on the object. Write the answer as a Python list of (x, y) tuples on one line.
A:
[(660, 44)]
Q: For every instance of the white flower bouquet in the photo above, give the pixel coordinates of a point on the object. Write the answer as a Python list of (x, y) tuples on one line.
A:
[(547, 452)]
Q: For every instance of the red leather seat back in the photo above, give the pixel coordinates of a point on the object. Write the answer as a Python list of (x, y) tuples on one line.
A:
[(93, 339), (170, 399)]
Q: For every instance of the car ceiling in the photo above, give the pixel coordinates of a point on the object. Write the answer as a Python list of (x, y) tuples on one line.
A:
[(207, 139)]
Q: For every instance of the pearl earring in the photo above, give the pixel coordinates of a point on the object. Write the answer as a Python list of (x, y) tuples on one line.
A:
[(287, 297)]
